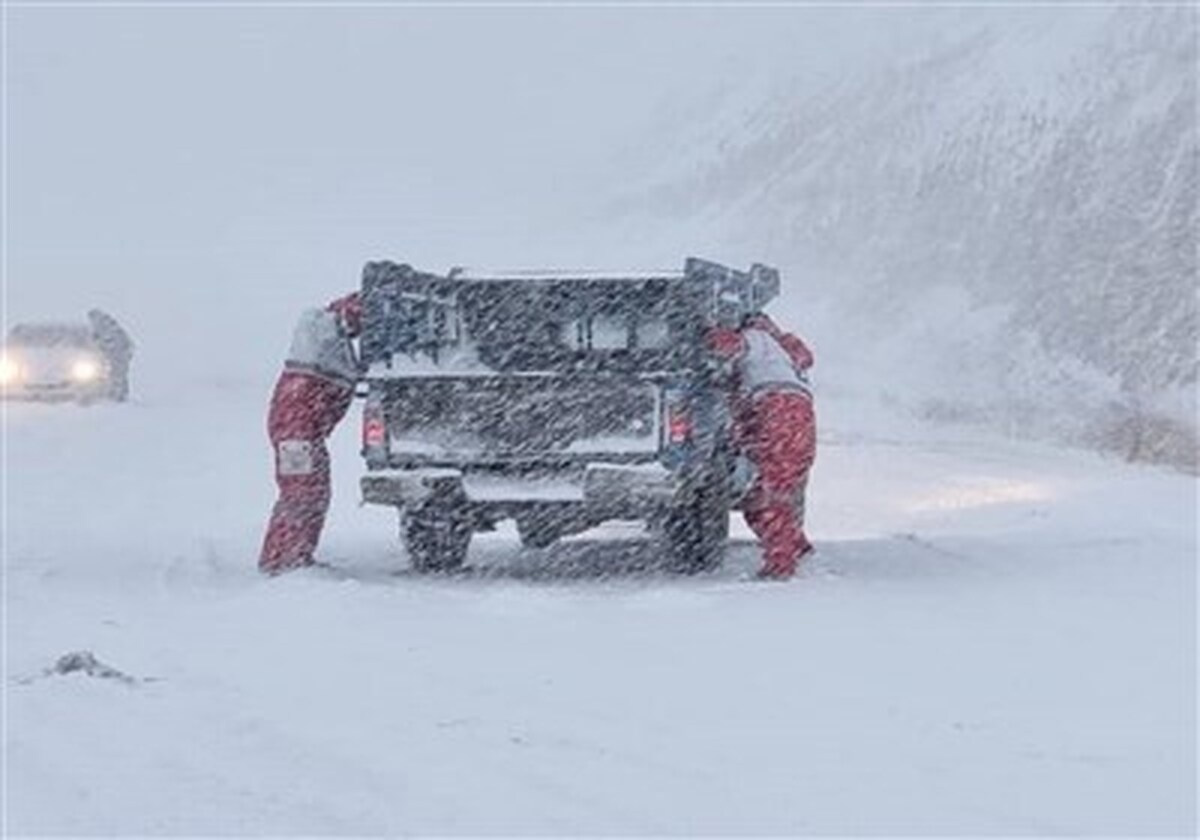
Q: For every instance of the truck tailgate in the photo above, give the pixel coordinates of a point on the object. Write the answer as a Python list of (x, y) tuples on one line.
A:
[(522, 416)]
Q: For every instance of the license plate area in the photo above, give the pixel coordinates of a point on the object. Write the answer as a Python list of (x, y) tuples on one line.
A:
[(522, 417)]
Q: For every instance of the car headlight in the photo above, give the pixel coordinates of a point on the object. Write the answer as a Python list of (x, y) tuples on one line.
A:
[(10, 371), (85, 370)]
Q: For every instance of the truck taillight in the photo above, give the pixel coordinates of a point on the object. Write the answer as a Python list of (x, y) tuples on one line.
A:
[(374, 433), (677, 419), (679, 424)]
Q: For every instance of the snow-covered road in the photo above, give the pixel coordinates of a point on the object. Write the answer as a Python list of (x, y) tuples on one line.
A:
[(993, 639)]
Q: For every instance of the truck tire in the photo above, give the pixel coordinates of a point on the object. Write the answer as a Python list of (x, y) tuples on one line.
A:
[(696, 531), (537, 531), (436, 535)]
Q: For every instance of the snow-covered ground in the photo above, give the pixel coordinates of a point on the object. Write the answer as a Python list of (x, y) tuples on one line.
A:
[(993, 638)]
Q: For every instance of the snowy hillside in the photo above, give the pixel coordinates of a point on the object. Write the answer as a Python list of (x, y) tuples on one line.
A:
[(1032, 175)]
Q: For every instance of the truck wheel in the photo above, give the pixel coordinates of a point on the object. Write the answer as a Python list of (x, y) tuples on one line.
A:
[(436, 536), (537, 532), (695, 532)]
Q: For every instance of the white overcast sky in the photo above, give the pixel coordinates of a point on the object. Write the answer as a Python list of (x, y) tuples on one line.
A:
[(214, 170)]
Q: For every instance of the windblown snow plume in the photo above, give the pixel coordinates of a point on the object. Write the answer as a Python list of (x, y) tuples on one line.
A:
[(1022, 186)]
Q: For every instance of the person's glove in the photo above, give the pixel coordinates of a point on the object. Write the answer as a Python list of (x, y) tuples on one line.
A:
[(349, 313), (724, 342)]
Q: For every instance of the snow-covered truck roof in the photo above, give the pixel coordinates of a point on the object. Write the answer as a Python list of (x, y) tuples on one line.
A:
[(553, 319), (755, 287), (567, 275)]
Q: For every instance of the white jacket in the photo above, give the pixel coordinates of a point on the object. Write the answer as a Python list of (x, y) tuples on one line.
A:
[(321, 347), (765, 367)]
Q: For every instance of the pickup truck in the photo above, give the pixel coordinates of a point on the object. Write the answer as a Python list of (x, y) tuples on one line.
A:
[(559, 399)]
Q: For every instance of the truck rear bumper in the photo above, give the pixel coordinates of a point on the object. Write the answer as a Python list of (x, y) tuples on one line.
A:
[(599, 491)]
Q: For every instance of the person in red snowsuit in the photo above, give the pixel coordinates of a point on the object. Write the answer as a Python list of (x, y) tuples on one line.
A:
[(775, 427), (311, 397)]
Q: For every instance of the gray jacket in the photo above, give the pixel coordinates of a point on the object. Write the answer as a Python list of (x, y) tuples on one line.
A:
[(320, 346), (112, 340)]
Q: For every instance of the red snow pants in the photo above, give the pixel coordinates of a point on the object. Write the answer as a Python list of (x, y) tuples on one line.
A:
[(304, 410), (780, 437)]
